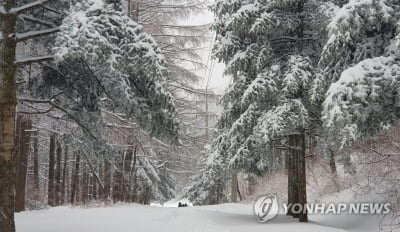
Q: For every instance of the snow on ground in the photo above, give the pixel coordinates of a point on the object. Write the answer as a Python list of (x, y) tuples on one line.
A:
[(219, 218)]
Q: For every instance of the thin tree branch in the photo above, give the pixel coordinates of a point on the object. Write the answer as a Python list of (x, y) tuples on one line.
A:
[(30, 60), (27, 7), (34, 34)]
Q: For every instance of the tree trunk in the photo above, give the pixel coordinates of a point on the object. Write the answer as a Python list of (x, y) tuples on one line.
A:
[(101, 175), (134, 176), (332, 163), (302, 197), (295, 172), (334, 174), (51, 190), (127, 170), (64, 175), (84, 184), (290, 164), (118, 177), (94, 188), (8, 103), (107, 179), (68, 180), (234, 187), (23, 142), (58, 175), (252, 182), (75, 179), (238, 192), (36, 182), (18, 145)]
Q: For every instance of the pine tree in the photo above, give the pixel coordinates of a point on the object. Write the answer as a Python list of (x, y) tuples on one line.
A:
[(123, 60), (120, 70), (359, 81), (272, 47), (208, 183)]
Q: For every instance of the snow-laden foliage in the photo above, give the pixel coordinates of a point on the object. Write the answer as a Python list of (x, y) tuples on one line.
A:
[(153, 179), (126, 62), (207, 185), (359, 30), (108, 66), (270, 48), (360, 70), (364, 99)]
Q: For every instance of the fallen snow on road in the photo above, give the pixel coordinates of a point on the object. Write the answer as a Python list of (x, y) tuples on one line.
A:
[(219, 218)]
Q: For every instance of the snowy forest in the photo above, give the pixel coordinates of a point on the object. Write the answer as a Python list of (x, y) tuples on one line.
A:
[(114, 115)]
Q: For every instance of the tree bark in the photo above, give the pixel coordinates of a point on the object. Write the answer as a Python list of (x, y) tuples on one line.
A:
[(134, 176), (36, 182), (290, 164), (127, 170), (8, 101), (84, 184), (101, 175), (51, 190), (334, 174), (18, 145), (94, 188), (68, 180), (75, 179), (118, 178), (234, 187), (238, 192), (58, 175), (295, 172), (251, 185), (23, 143), (107, 179), (64, 175), (302, 185)]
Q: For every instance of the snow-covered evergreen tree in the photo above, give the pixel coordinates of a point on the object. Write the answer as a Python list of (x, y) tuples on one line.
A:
[(107, 65), (359, 81), (208, 183), (126, 62), (271, 48)]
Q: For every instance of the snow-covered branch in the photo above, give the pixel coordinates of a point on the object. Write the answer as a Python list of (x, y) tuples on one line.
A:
[(30, 60), (34, 34), (27, 7), (37, 21)]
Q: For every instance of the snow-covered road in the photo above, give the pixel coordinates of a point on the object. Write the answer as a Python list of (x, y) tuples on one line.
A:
[(221, 218)]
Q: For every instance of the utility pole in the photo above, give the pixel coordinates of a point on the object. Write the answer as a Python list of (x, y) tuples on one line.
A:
[(235, 181), (206, 118)]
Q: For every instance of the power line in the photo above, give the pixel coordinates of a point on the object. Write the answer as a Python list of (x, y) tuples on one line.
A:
[(210, 74), (208, 71)]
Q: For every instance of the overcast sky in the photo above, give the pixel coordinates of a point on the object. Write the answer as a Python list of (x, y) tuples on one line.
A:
[(218, 82)]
